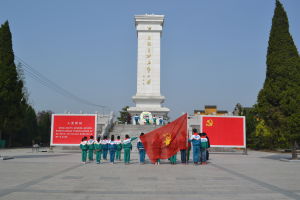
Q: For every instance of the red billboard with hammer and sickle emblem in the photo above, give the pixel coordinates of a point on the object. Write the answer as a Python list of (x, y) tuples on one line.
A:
[(225, 131)]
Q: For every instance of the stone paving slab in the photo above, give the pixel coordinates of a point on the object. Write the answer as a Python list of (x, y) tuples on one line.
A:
[(60, 175)]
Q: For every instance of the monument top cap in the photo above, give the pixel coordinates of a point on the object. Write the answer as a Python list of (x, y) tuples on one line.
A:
[(149, 18)]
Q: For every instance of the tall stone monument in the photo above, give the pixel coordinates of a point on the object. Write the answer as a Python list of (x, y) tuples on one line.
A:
[(148, 97)]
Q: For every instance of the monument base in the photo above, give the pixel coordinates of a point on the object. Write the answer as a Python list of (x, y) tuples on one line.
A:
[(146, 105)]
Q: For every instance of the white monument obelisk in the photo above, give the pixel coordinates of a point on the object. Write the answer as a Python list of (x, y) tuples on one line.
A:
[(148, 97)]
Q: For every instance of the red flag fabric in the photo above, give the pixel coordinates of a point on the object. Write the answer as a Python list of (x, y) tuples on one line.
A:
[(164, 142)]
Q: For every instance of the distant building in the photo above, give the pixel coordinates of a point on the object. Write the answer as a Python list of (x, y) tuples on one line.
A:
[(210, 110)]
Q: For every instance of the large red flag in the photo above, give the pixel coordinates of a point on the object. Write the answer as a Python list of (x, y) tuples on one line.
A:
[(164, 142)]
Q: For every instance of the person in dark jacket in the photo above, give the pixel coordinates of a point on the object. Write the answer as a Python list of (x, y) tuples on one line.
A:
[(207, 152)]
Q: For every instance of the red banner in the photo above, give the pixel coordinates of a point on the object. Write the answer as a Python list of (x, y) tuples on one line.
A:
[(70, 129), (164, 142), (225, 131)]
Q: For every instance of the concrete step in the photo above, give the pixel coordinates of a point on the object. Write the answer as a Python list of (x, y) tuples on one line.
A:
[(132, 130)]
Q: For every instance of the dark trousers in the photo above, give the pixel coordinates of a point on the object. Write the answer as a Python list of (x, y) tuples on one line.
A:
[(104, 152), (207, 155), (183, 155), (112, 155), (142, 155)]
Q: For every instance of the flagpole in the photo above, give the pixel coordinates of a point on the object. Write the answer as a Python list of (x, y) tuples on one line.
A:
[(187, 139)]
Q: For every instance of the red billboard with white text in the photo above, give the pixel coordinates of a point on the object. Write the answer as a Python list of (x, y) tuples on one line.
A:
[(225, 131), (69, 129)]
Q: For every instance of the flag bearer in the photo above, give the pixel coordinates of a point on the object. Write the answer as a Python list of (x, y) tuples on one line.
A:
[(104, 144), (127, 148), (98, 150), (84, 148), (183, 156), (196, 142), (119, 148), (141, 149), (112, 149), (204, 146), (91, 147)]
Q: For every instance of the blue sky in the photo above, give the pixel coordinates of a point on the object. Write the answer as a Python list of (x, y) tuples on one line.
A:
[(213, 52)]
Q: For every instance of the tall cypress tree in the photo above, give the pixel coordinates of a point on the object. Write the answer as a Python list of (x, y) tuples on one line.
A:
[(278, 102), (11, 88)]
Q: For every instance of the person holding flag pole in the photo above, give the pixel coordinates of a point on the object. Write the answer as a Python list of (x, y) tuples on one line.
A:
[(166, 141), (141, 149)]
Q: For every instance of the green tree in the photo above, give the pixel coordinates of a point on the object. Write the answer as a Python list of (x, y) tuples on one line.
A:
[(11, 89), (44, 127), (125, 116), (278, 102), (28, 133)]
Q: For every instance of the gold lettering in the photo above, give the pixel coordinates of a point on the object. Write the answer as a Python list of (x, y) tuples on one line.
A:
[(148, 69), (149, 81)]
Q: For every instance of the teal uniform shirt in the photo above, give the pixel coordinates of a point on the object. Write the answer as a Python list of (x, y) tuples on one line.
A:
[(84, 148), (91, 149), (127, 148), (119, 149), (98, 150)]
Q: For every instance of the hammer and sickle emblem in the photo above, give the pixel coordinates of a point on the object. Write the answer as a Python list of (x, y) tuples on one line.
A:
[(168, 139), (209, 122)]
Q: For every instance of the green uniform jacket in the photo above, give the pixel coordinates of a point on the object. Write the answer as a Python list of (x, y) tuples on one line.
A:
[(128, 145), (83, 146), (97, 146)]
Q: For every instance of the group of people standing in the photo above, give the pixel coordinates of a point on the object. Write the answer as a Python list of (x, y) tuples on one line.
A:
[(102, 147), (199, 142)]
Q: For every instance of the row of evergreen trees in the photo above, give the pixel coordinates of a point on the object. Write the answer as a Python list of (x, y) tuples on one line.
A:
[(19, 124), (273, 122)]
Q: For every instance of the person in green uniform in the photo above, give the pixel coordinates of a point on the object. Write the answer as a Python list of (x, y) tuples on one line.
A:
[(98, 150), (154, 120), (104, 144), (84, 148), (173, 159), (127, 146), (112, 149), (91, 148), (119, 148)]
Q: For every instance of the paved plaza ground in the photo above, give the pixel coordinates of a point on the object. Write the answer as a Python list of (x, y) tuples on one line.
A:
[(60, 175)]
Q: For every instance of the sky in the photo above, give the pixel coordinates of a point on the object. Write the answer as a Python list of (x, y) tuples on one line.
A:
[(212, 52)]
